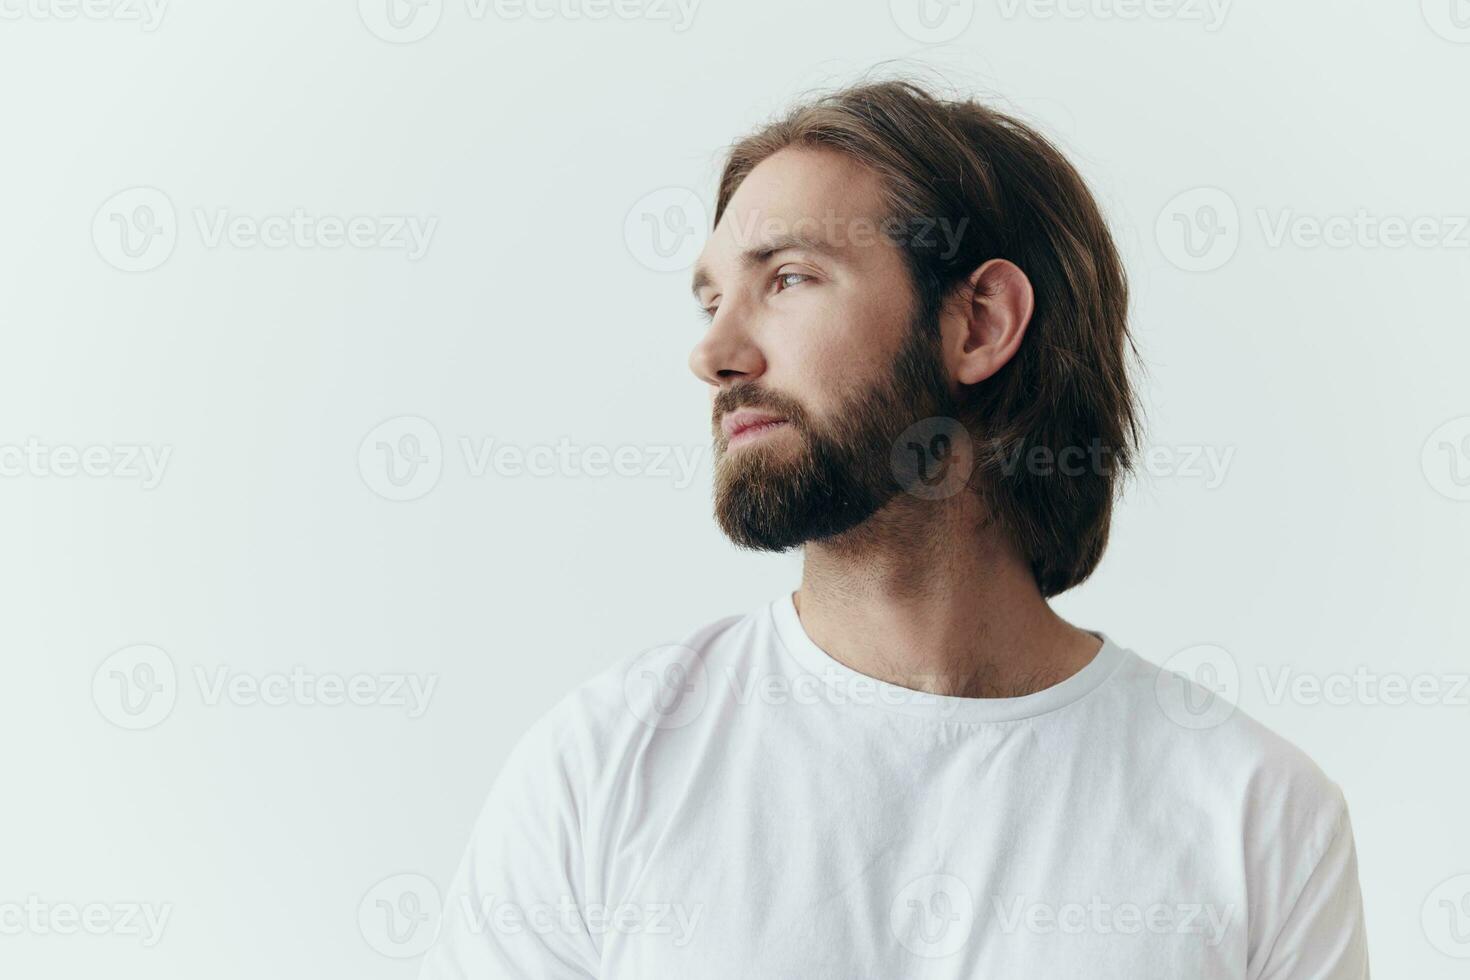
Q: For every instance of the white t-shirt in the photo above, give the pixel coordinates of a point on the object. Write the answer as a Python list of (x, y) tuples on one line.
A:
[(744, 806)]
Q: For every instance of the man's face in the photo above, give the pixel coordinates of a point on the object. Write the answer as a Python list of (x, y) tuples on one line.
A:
[(815, 331)]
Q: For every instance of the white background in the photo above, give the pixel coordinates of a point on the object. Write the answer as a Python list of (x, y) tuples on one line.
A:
[(1334, 540)]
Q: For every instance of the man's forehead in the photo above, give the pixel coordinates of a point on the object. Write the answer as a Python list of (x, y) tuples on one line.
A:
[(797, 183), (797, 198), (798, 173)]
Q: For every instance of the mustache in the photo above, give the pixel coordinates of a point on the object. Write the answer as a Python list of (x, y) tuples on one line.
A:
[(749, 396)]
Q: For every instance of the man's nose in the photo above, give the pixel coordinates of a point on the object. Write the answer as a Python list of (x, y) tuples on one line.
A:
[(726, 353)]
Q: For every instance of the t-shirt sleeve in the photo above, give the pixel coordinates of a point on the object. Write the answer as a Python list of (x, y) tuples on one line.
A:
[(516, 905), (1322, 936)]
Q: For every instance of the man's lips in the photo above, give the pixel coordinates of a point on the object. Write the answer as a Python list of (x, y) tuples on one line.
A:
[(747, 421)]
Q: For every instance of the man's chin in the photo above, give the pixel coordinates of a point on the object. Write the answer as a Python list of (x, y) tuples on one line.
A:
[(759, 497), (761, 530), (778, 511)]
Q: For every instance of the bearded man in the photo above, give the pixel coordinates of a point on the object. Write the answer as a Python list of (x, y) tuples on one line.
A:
[(910, 766)]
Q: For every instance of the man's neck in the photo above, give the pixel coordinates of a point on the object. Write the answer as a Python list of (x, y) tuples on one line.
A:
[(936, 603)]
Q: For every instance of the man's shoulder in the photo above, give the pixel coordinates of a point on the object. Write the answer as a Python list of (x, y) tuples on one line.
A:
[(1187, 725), (640, 693)]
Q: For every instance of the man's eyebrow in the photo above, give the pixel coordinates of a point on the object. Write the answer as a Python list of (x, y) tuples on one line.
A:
[(757, 255)]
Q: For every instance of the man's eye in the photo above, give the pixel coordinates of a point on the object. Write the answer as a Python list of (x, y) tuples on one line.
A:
[(782, 277)]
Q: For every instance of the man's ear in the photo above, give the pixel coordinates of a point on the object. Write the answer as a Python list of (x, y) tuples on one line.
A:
[(985, 320)]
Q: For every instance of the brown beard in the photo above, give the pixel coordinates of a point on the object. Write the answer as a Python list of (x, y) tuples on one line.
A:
[(774, 499)]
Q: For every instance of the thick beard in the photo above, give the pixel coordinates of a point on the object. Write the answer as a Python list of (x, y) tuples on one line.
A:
[(769, 499)]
